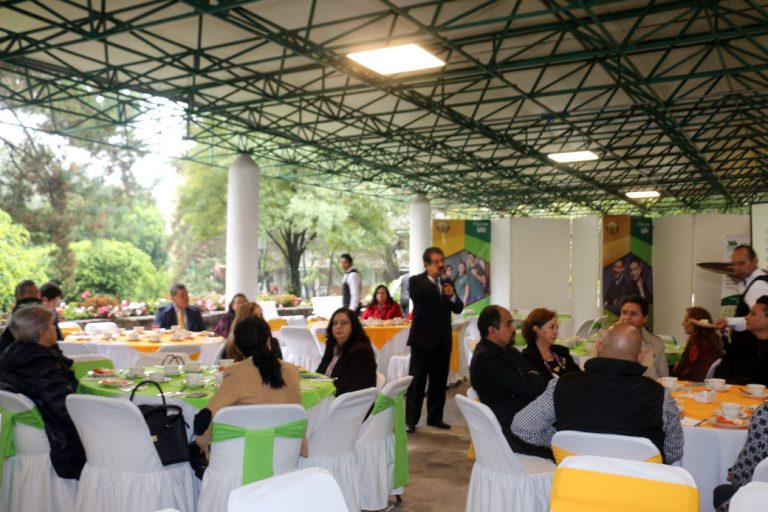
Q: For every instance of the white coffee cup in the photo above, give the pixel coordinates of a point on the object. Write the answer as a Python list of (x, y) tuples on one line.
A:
[(226, 362), (668, 382), (194, 378), (192, 366), (715, 383), (155, 336), (132, 336), (756, 389), (157, 375), (171, 369), (730, 409), (219, 377), (136, 371)]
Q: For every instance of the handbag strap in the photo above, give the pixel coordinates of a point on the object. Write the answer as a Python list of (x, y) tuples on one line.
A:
[(162, 395), (171, 359)]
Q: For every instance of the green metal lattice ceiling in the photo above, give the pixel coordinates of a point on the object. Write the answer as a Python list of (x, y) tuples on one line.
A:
[(673, 95)]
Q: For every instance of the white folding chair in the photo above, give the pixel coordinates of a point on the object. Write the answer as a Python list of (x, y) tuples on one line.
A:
[(94, 327), (584, 328), (375, 451), (124, 472), (605, 484), (597, 324), (711, 371), (302, 349), (332, 444), (296, 320), (760, 474), (268, 309), (290, 492), (317, 331), (29, 480), (380, 381), (74, 348), (225, 470), (398, 367), (502, 479), (750, 498), (566, 443)]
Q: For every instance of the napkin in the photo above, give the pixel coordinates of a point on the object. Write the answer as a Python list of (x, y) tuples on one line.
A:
[(705, 397), (689, 422)]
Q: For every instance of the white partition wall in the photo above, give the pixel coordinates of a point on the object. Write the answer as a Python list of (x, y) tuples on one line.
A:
[(501, 266), (585, 269)]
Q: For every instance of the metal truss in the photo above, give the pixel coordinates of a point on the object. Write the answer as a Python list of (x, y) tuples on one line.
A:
[(673, 95)]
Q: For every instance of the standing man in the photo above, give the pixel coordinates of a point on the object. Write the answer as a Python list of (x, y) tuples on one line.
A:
[(752, 284), (634, 310), (430, 340), (179, 312), (351, 288)]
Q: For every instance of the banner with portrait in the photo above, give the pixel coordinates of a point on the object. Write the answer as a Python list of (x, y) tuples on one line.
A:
[(467, 248), (627, 262)]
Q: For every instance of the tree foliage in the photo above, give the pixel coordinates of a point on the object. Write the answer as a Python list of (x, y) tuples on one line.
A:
[(18, 259)]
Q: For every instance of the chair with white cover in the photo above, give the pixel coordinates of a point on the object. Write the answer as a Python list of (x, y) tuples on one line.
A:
[(29, 482), (472, 394), (399, 366), (290, 492), (159, 358), (231, 450), (382, 448), (502, 479), (603, 484), (296, 320), (125, 476), (302, 349), (94, 327), (74, 348), (318, 332), (597, 324), (711, 371), (82, 364), (584, 328), (380, 381), (566, 443), (750, 498), (268, 309), (190, 350), (325, 306), (332, 444), (760, 474)]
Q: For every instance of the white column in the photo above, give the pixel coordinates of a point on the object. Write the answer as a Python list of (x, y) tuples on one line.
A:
[(421, 232), (243, 228), (501, 266)]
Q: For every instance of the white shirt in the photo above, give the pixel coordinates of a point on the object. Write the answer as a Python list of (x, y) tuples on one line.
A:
[(759, 289), (353, 281)]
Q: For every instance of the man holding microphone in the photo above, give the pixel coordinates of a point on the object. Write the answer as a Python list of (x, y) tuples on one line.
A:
[(434, 299)]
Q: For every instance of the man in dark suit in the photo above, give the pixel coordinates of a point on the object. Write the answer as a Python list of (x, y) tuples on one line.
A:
[(430, 340), (179, 312)]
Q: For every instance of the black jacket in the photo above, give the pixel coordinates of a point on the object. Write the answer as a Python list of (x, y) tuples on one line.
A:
[(6, 338), (166, 317), (45, 377), (431, 326), (745, 361), (533, 358), (354, 370)]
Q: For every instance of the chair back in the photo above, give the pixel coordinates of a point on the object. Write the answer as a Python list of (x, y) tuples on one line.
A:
[(189, 349), (228, 455), (296, 320), (102, 422), (584, 328), (381, 380), (268, 309), (28, 440), (761, 471), (84, 363), (472, 394), (290, 493), (597, 324), (566, 443), (337, 435), (603, 484), (74, 348), (302, 349), (124, 356), (157, 358), (491, 448), (750, 498), (100, 327), (711, 371), (376, 427), (325, 306)]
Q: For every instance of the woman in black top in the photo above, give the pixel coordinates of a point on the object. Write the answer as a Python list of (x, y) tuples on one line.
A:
[(540, 332), (348, 356)]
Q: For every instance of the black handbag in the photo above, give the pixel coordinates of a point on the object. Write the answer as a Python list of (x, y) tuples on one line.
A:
[(167, 428)]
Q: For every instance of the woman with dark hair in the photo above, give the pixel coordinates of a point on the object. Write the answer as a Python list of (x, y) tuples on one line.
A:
[(704, 346), (222, 328), (348, 356), (382, 305), (540, 332), (246, 310), (260, 378)]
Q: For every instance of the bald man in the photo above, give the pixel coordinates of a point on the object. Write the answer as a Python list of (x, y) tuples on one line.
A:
[(611, 396)]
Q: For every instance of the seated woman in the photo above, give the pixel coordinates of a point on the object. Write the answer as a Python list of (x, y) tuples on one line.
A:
[(348, 356), (540, 332), (247, 310), (223, 327), (261, 378), (382, 305), (703, 348)]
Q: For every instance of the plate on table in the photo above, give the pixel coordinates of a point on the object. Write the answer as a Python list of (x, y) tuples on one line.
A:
[(102, 372), (115, 383), (756, 397), (719, 414), (723, 422), (720, 390)]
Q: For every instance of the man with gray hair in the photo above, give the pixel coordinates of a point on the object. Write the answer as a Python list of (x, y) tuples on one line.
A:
[(611, 396), (32, 367)]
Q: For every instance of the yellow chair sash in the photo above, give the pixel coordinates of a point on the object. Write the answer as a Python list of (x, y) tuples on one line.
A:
[(580, 490), (561, 453), (29, 417), (382, 403), (259, 445)]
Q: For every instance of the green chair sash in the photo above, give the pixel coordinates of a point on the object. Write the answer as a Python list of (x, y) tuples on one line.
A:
[(259, 445), (8, 419), (383, 403)]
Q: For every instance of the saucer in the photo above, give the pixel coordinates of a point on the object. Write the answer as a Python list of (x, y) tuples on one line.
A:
[(186, 384), (722, 390), (115, 383), (721, 422), (756, 397), (741, 416)]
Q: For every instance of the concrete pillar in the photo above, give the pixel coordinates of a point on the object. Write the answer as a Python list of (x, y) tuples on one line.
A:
[(243, 228), (421, 232)]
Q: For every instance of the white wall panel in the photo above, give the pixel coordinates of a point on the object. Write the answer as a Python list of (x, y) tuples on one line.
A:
[(585, 269), (501, 262), (672, 273)]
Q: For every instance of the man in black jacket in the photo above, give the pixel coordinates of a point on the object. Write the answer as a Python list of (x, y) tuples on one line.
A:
[(501, 376), (179, 312), (746, 359), (29, 366), (26, 293), (430, 340)]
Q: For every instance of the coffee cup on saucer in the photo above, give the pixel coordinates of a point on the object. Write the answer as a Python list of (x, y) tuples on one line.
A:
[(756, 389), (717, 384), (171, 369), (731, 410), (194, 378), (132, 336), (136, 371), (155, 336), (156, 376), (192, 366)]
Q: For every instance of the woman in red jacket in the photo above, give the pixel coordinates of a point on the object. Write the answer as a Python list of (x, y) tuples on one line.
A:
[(382, 305)]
